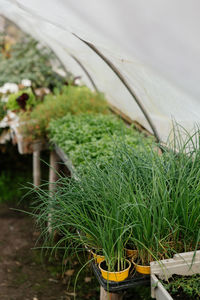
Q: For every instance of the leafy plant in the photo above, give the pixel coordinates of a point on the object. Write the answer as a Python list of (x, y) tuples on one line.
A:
[(70, 99), (90, 211), (24, 99), (11, 185), (91, 137), (138, 197), (181, 287), (27, 59)]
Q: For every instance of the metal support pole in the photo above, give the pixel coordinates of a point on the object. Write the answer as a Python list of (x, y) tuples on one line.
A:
[(125, 83), (86, 72)]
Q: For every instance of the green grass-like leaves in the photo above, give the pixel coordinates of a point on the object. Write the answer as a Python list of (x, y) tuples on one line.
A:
[(138, 198)]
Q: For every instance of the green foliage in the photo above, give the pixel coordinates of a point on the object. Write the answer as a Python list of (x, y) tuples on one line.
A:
[(70, 99), (91, 137), (139, 197), (12, 103), (29, 60), (184, 286), (11, 185), (163, 198), (2, 110), (91, 210)]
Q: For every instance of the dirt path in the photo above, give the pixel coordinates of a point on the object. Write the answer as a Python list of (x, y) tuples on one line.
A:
[(23, 275)]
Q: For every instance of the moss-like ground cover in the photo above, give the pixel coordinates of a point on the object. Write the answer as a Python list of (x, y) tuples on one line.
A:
[(184, 287)]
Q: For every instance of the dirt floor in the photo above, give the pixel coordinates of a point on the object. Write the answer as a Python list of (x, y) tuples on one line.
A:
[(23, 273), (26, 275)]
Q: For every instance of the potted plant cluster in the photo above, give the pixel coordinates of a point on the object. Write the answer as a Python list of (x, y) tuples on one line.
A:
[(138, 198)]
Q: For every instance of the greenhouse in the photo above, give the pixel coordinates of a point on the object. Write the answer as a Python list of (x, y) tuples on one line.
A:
[(99, 150)]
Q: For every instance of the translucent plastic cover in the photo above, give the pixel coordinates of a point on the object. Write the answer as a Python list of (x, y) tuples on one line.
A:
[(154, 44)]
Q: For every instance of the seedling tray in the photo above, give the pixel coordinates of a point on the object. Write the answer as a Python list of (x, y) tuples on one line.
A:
[(181, 264), (135, 279)]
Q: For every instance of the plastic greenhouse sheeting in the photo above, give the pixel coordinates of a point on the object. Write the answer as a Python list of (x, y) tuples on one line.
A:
[(155, 45)]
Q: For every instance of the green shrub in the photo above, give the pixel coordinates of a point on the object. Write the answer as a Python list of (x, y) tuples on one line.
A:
[(11, 185), (70, 99)]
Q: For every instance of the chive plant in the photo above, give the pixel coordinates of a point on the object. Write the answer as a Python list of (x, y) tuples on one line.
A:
[(88, 212), (165, 207), (140, 198)]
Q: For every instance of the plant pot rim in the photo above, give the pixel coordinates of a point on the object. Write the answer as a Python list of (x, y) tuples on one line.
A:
[(142, 269), (91, 251), (134, 263), (129, 249), (128, 261)]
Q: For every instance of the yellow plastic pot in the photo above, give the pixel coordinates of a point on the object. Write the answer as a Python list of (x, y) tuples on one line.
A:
[(98, 258), (115, 276), (131, 254), (142, 269)]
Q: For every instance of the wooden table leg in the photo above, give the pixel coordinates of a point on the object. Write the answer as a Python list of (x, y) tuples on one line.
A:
[(109, 296), (36, 168), (53, 177), (53, 170)]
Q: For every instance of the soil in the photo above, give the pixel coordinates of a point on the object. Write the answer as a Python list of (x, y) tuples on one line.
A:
[(23, 273), (105, 267)]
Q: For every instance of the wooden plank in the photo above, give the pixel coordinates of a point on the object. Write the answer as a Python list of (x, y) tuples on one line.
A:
[(109, 296), (37, 148), (129, 121), (66, 161)]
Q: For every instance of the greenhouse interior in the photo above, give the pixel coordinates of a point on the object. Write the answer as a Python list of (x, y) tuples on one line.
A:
[(99, 150)]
